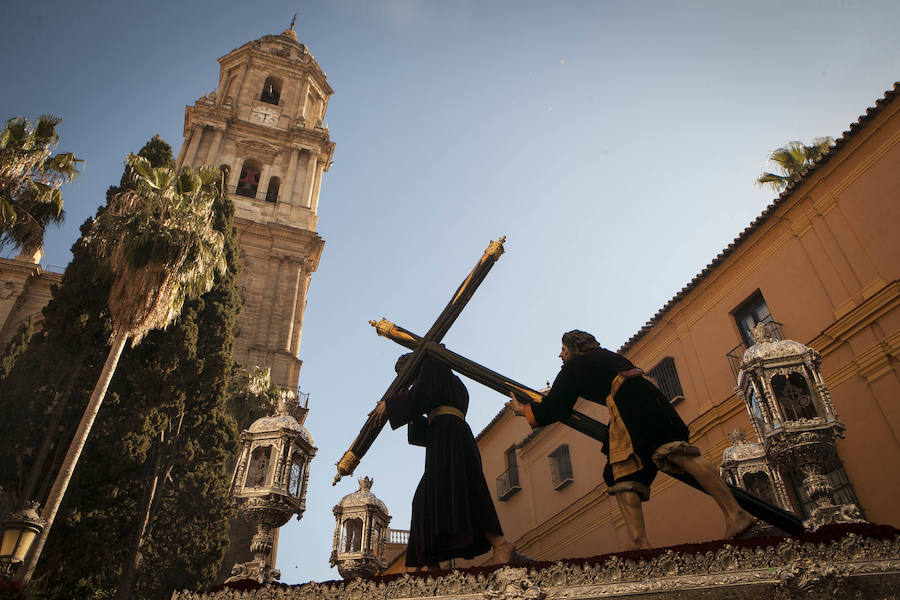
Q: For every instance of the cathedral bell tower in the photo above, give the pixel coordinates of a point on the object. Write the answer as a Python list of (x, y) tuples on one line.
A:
[(264, 127)]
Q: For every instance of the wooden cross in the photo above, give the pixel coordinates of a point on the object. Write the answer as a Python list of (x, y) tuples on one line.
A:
[(439, 329)]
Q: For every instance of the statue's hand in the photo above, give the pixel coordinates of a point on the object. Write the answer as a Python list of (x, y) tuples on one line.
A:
[(379, 409), (515, 406)]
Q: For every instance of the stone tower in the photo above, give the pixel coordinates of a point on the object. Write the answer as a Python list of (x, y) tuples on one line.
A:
[(264, 126)]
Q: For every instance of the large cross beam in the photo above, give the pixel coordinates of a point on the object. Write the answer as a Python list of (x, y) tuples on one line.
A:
[(759, 508), (372, 427)]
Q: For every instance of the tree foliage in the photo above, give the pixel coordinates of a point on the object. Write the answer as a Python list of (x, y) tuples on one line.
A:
[(792, 160), (166, 415), (15, 347), (30, 178)]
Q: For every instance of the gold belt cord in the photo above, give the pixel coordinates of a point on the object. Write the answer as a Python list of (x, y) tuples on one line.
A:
[(622, 457), (446, 410)]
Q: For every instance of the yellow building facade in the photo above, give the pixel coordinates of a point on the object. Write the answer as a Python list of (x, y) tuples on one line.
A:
[(823, 261)]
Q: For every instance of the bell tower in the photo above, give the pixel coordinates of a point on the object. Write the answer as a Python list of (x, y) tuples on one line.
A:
[(264, 127)]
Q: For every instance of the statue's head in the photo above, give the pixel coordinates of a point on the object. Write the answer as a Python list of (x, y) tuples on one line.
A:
[(401, 362), (579, 341)]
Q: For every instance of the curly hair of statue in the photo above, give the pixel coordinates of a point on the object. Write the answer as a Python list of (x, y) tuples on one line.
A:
[(580, 341), (402, 361)]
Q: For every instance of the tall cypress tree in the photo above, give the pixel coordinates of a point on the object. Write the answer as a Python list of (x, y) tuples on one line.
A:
[(151, 489)]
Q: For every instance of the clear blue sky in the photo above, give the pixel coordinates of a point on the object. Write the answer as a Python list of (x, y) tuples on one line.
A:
[(614, 143)]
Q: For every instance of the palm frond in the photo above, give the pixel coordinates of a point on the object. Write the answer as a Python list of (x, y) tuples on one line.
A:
[(159, 241), (776, 182), (793, 159), (29, 178)]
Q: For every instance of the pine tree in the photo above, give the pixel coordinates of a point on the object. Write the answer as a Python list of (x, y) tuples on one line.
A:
[(15, 347), (151, 489)]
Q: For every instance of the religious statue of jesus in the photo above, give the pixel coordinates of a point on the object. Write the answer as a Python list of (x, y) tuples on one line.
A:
[(453, 515)]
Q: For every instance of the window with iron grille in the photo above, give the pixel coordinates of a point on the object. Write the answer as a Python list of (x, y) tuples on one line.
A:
[(750, 312), (666, 377), (560, 467), (508, 482), (837, 476)]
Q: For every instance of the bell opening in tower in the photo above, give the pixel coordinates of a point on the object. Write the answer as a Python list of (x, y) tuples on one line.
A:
[(271, 92), (249, 180)]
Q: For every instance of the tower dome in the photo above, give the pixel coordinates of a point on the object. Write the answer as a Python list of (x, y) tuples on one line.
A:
[(362, 497)]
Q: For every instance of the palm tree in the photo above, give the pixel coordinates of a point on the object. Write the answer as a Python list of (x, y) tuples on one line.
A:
[(30, 179), (159, 242), (793, 159)]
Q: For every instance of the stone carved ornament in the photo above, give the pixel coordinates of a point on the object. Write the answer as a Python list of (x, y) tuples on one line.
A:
[(8, 289), (852, 566)]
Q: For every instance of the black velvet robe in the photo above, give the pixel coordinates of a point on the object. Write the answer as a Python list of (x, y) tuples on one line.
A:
[(646, 412), (452, 508)]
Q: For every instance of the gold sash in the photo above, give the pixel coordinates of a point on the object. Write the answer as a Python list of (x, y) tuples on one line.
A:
[(622, 457), (446, 410)]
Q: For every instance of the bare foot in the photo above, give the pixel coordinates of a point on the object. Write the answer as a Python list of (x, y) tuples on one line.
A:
[(503, 553), (738, 526), (644, 546)]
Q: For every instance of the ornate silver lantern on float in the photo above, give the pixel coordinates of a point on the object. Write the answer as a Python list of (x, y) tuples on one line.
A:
[(270, 479), (360, 531), (795, 421)]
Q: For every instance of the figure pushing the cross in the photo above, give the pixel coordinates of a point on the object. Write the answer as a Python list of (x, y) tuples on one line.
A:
[(645, 433)]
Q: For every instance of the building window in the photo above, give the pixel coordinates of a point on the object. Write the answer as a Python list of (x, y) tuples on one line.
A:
[(752, 311), (560, 467), (272, 191), (249, 180), (666, 378), (271, 92), (508, 482)]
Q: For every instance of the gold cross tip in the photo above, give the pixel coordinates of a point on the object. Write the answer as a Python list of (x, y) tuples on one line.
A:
[(382, 327), (495, 249)]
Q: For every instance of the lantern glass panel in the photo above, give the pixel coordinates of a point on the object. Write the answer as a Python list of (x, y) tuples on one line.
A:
[(794, 398), (298, 470), (759, 485), (352, 535), (10, 538), (756, 409), (259, 467), (379, 538)]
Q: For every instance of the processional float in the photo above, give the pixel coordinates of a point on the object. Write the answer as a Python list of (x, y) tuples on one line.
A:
[(430, 345)]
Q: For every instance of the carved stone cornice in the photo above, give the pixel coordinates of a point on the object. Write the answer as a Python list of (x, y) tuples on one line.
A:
[(852, 565)]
